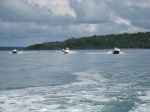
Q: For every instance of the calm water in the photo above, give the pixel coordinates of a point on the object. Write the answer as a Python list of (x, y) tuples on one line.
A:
[(83, 81)]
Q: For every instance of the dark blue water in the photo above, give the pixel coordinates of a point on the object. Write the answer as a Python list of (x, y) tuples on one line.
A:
[(82, 81)]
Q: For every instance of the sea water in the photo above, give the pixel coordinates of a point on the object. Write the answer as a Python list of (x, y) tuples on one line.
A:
[(82, 81)]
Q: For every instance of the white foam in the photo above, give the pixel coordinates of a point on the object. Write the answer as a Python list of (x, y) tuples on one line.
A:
[(121, 52), (20, 52), (145, 96), (87, 94), (102, 53), (141, 108), (70, 52), (109, 52), (145, 105), (23, 52)]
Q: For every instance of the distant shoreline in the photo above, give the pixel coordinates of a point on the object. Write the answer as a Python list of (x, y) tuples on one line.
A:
[(140, 40), (71, 49)]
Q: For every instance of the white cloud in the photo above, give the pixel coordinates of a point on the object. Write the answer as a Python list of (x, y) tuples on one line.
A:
[(139, 3), (79, 1), (58, 7), (86, 28), (88, 10), (119, 20)]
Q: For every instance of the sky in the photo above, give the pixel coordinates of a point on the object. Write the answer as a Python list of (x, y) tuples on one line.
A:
[(26, 22)]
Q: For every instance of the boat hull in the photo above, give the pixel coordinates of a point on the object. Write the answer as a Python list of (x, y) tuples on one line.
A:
[(14, 52), (65, 52), (116, 52)]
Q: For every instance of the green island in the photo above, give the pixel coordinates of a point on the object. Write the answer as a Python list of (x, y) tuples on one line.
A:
[(124, 40)]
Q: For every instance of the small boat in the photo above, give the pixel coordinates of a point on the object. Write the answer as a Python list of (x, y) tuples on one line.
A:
[(66, 51), (116, 50), (14, 51)]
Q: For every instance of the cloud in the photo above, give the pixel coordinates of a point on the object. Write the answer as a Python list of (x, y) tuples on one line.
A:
[(60, 19), (91, 10), (57, 7), (136, 11), (17, 10), (119, 20)]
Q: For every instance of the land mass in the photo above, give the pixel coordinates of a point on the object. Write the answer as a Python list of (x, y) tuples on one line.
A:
[(124, 40)]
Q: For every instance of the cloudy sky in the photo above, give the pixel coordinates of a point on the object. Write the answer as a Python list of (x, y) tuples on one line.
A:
[(25, 22)]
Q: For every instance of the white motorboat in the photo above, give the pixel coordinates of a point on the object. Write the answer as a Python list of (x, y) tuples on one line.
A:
[(66, 51), (116, 50), (14, 51)]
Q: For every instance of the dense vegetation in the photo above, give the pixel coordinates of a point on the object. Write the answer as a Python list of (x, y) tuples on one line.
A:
[(125, 40)]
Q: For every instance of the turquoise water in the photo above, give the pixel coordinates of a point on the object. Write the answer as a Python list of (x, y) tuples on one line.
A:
[(82, 81)]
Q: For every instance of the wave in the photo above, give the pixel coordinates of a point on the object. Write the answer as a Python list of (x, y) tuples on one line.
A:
[(144, 106), (86, 94), (92, 92)]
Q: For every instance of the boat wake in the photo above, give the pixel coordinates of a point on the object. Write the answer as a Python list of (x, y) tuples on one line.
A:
[(110, 52), (145, 105), (70, 52), (103, 53), (18, 52), (23, 52), (87, 94)]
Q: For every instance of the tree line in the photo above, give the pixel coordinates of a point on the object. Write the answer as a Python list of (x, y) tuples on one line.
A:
[(125, 40)]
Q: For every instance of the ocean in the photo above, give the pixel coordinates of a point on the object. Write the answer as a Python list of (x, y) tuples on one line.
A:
[(81, 81)]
